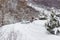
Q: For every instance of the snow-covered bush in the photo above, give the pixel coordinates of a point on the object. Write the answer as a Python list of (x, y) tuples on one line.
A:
[(42, 16), (25, 22), (53, 24)]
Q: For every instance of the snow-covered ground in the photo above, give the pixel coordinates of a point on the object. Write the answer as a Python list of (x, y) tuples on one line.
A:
[(31, 31)]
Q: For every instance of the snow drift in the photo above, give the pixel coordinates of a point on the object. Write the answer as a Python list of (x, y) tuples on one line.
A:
[(31, 31)]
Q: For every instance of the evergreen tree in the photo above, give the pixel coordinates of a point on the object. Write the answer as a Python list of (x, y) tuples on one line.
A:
[(52, 24)]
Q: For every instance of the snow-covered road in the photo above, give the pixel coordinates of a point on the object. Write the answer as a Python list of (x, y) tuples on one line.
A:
[(31, 31)]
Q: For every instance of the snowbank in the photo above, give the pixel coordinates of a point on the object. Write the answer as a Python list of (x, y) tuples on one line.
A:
[(31, 31)]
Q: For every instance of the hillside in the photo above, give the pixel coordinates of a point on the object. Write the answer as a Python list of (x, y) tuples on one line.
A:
[(48, 3), (12, 11)]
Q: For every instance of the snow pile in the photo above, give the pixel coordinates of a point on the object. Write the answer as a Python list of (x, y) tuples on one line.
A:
[(31, 31)]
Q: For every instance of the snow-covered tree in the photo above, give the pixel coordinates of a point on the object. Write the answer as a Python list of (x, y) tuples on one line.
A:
[(53, 24)]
